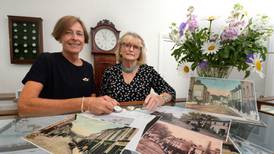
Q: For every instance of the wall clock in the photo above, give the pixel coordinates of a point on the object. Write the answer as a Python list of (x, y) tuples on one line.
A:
[(104, 37), (105, 40)]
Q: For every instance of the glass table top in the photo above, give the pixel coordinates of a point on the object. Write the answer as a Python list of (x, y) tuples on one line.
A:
[(248, 138)]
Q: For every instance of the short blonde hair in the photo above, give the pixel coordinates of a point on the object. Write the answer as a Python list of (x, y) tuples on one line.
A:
[(64, 23), (142, 57)]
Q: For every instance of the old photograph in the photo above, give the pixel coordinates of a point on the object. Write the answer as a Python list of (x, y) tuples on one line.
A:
[(11, 133), (201, 123), (83, 135), (165, 138), (232, 98)]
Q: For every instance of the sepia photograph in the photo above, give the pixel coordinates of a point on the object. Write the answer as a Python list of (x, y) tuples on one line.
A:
[(165, 138), (233, 98), (83, 135)]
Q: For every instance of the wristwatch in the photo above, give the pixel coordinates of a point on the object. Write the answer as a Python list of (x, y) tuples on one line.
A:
[(165, 97)]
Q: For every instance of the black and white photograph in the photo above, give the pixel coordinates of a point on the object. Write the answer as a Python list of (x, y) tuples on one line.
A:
[(205, 124)]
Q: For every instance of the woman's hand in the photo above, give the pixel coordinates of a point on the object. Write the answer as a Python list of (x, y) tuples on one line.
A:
[(100, 105), (153, 101)]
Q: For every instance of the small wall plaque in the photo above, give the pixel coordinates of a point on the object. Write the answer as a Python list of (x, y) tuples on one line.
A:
[(26, 39)]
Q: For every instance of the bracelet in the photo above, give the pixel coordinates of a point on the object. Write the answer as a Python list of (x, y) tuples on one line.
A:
[(82, 104)]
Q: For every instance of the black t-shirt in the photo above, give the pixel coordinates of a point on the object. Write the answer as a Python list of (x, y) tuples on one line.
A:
[(60, 78)]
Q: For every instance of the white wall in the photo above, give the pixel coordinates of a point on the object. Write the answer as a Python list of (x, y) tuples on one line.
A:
[(149, 18)]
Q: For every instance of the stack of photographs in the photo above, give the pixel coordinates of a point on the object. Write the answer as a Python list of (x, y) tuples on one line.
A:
[(88, 133), (182, 130), (135, 118), (212, 105)]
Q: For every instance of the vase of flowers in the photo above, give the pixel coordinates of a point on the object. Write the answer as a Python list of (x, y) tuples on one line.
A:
[(214, 71), (241, 44)]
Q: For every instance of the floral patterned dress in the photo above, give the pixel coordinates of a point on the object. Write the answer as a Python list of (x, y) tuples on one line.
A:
[(146, 78)]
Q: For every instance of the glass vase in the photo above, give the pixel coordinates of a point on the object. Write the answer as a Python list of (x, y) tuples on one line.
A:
[(214, 71)]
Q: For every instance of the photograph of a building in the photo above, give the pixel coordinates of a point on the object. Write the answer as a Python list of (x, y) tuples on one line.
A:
[(201, 123), (165, 138), (234, 98), (83, 135)]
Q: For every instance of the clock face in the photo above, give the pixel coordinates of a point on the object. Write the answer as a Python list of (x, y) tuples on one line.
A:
[(105, 39)]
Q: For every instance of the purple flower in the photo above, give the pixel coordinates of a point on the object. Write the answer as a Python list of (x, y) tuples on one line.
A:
[(249, 58), (203, 64), (230, 33), (233, 30), (192, 23), (235, 23), (182, 28)]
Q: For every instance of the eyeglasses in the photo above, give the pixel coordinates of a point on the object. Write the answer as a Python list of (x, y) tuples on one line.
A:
[(129, 46), (72, 33)]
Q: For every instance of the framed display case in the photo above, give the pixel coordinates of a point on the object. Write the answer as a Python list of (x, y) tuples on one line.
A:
[(25, 38)]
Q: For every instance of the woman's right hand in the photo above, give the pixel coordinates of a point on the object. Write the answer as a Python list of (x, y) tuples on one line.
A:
[(99, 105)]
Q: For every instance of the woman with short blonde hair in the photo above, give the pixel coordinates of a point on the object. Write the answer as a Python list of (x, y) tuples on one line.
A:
[(131, 79)]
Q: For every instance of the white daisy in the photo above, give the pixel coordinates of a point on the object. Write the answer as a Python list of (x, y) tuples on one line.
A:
[(185, 69), (210, 47), (257, 65)]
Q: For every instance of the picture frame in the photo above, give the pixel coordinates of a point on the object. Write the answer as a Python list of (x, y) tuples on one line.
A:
[(25, 38)]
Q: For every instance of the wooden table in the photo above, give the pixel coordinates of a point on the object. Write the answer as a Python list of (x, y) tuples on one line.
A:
[(8, 107)]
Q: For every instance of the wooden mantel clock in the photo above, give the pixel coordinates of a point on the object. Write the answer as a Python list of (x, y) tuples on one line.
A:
[(104, 40)]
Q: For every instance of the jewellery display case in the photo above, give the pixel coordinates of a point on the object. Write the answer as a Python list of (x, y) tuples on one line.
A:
[(25, 38)]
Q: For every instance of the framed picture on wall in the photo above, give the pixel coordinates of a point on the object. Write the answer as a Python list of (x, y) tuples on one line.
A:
[(26, 39)]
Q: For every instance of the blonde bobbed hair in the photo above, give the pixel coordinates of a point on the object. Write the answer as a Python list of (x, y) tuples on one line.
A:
[(142, 58)]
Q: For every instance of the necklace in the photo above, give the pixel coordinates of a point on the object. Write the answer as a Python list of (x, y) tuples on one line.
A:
[(129, 69)]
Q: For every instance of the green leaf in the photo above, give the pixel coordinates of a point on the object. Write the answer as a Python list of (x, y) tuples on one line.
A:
[(247, 73)]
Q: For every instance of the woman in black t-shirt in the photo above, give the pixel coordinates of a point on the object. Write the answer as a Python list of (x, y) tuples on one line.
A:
[(62, 82)]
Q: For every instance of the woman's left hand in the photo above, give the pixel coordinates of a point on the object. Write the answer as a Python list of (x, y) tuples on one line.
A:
[(153, 101)]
